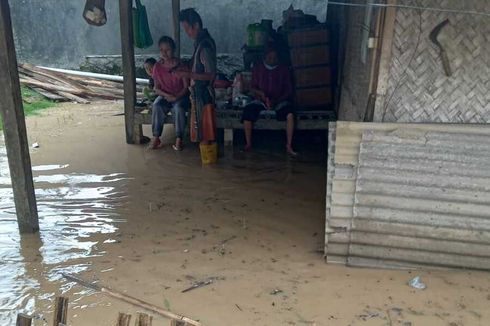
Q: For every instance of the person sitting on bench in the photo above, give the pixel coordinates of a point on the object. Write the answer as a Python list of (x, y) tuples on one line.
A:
[(149, 64), (172, 92), (273, 90)]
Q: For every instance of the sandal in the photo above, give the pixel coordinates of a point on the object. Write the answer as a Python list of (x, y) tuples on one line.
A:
[(177, 148)]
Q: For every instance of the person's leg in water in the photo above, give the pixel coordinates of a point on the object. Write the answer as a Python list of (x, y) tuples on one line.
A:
[(178, 111), (157, 122), (248, 127), (250, 115), (286, 113), (289, 134)]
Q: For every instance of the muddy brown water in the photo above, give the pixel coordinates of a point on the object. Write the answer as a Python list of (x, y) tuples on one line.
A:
[(150, 224)]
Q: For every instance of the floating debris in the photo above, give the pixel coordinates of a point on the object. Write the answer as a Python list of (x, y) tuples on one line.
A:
[(417, 283), (276, 291)]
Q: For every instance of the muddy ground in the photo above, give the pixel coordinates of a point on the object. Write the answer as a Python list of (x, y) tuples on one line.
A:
[(151, 223)]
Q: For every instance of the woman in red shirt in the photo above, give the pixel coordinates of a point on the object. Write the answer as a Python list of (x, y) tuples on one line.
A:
[(273, 90), (172, 91)]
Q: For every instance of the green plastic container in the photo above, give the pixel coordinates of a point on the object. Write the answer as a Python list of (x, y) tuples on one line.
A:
[(257, 36)]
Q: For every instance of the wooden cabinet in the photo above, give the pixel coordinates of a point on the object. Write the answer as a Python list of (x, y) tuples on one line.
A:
[(311, 62)]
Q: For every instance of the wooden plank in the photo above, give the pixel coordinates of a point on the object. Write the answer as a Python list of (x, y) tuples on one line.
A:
[(52, 76), (143, 320), (123, 319), (23, 320), (129, 70), (12, 113), (313, 36), (313, 96), (60, 311), (57, 88), (309, 56), (49, 95), (313, 77), (176, 25), (74, 98)]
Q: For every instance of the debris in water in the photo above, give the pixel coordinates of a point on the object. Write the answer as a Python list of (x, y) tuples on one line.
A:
[(416, 283), (186, 250), (276, 291), (222, 251), (35, 145), (200, 284), (238, 307)]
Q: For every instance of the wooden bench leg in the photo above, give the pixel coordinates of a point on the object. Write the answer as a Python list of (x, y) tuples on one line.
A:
[(228, 137), (138, 136), (221, 142)]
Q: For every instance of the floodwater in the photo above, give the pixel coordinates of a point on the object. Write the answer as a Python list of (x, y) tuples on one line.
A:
[(72, 207), (152, 223)]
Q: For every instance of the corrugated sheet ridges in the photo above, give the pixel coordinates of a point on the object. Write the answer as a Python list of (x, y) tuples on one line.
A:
[(421, 197)]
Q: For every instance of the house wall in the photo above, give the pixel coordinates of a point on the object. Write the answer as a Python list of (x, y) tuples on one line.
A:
[(417, 88), (356, 74), (53, 32)]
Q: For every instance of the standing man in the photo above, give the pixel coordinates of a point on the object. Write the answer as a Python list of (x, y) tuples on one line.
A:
[(202, 74)]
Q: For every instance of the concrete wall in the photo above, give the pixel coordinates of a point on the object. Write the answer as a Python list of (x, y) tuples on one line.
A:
[(53, 32)]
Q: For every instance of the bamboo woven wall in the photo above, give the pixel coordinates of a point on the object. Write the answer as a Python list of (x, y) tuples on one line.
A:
[(418, 89)]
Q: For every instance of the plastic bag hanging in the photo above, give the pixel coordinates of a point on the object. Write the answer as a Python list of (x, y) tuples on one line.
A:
[(94, 12), (141, 28)]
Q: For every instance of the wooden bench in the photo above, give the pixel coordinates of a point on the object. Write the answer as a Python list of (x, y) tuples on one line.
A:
[(228, 120)]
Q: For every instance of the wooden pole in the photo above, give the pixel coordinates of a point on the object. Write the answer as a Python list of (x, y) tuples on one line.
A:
[(14, 128), (132, 300), (60, 311), (123, 319), (129, 69), (23, 320), (143, 320), (176, 25)]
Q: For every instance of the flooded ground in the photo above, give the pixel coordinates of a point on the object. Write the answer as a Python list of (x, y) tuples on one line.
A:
[(150, 224)]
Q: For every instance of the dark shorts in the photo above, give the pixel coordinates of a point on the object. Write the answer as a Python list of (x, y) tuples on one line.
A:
[(252, 112)]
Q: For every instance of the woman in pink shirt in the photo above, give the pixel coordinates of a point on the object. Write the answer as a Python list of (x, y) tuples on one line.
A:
[(172, 92)]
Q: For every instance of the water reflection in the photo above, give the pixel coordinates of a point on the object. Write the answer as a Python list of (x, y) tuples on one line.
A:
[(72, 208)]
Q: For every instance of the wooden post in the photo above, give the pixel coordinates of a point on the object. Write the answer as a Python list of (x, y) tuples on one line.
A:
[(23, 320), (123, 319), (60, 311), (143, 320), (129, 70), (176, 25), (14, 128), (383, 73)]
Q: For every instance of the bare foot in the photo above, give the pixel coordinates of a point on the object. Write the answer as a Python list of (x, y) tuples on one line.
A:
[(156, 143), (290, 151), (178, 145)]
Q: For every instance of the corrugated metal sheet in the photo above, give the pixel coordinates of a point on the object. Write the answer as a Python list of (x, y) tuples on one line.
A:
[(409, 195)]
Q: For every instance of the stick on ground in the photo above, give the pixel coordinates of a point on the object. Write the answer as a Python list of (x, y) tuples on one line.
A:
[(131, 300)]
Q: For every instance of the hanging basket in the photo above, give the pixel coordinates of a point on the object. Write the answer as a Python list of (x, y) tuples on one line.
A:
[(94, 12)]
